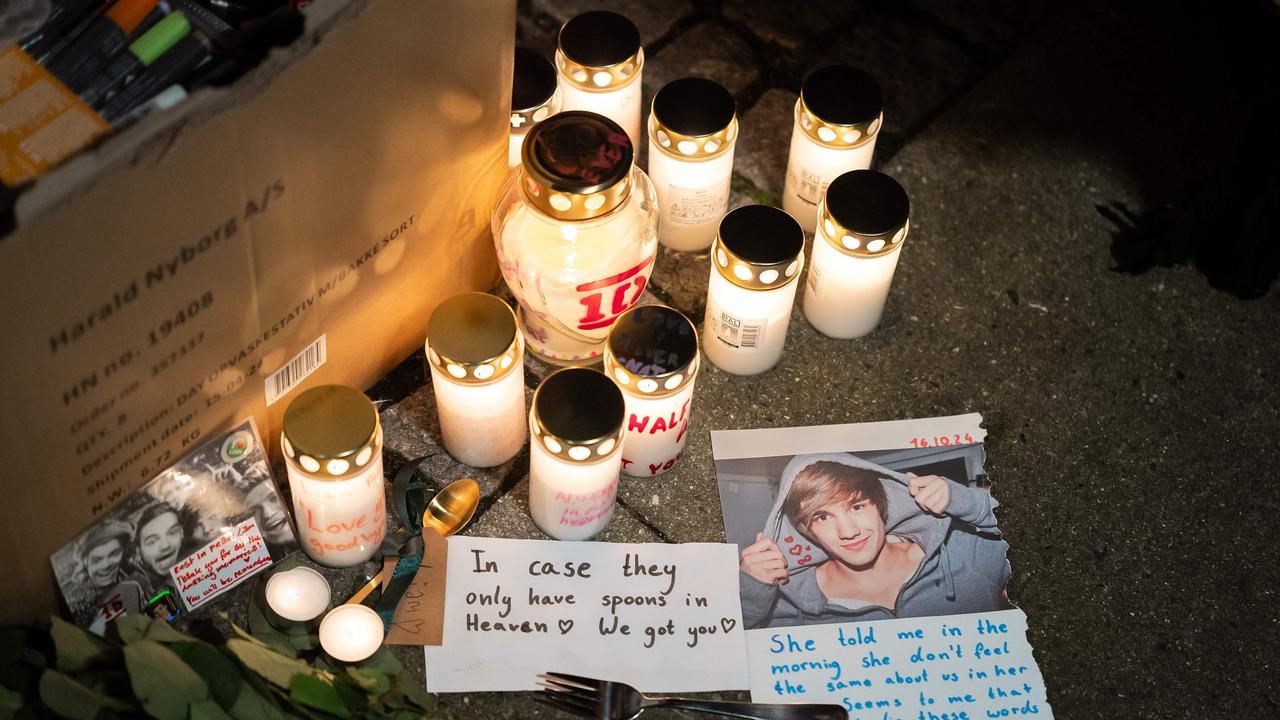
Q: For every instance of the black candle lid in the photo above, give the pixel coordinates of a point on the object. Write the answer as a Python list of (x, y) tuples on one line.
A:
[(694, 106), (578, 414), (865, 213), (533, 81), (577, 165), (840, 106), (842, 95), (652, 350), (599, 39), (758, 247)]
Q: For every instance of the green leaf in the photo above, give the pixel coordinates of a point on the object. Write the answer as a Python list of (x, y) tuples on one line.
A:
[(132, 627), (77, 649), (268, 663), (162, 681), (68, 698), (384, 660), (352, 696), (162, 632), (316, 693), (363, 681), (13, 641), (304, 641), (208, 710), (265, 632), (256, 701), (218, 670), (415, 694)]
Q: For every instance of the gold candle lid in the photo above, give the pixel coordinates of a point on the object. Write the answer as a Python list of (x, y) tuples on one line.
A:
[(758, 247), (693, 119), (533, 89), (599, 51), (840, 107), (652, 351), (578, 415), (472, 339), (577, 166), (865, 214), (331, 431)]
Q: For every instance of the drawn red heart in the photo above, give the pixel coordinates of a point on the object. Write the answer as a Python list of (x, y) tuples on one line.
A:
[(805, 560), (808, 547), (788, 539), (795, 550)]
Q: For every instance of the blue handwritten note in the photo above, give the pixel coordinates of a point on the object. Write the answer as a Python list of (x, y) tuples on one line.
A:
[(952, 667)]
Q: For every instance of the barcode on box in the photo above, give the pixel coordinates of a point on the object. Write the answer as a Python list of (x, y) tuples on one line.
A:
[(280, 382)]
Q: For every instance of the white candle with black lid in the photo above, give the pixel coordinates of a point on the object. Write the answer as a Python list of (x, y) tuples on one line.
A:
[(534, 97), (755, 267), (837, 119), (600, 62), (692, 131), (575, 452), (652, 354), (862, 225)]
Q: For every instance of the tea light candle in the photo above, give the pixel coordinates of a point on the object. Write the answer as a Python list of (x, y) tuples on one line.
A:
[(863, 223), (838, 117), (351, 633), (534, 97), (652, 353), (476, 356), (755, 262), (692, 131), (299, 595), (600, 62), (332, 444), (575, 453)]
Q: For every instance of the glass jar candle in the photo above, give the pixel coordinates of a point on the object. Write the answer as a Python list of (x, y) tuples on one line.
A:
[(652, 353), (534, 97), (692, 131), (576, 231), (332, 444), (600, 61), (476, 357), (755, 262), (575, 453), (838, 116), (862, 225)]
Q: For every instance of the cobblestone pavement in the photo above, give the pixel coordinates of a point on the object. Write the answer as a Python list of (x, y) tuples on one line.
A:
[(1122, 410)]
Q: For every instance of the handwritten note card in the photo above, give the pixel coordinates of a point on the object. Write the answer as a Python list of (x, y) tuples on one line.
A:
[(221, 565), (954, 667), (665, 618)]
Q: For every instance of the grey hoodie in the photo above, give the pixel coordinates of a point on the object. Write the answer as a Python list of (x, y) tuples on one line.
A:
[(963, 570)]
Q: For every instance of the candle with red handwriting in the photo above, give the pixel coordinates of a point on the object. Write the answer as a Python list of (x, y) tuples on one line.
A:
[(332, 444), (652, 353), (575, 453)]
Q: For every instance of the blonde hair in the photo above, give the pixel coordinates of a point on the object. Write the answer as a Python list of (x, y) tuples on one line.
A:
[(828, 481)]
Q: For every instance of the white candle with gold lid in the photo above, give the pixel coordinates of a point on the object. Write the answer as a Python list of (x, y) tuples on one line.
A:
[(476, 356), (332, 442), (837, 119), (600, 63), (862, 226)]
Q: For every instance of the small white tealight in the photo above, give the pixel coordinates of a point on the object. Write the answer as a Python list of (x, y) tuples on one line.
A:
[(351, 633), (299, 595)]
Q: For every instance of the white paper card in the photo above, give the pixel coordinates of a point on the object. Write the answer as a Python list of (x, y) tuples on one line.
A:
[(954, 667), (663, 618), (221, 565)]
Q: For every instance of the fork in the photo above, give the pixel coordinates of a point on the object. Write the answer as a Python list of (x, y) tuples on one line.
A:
[(608, 700)]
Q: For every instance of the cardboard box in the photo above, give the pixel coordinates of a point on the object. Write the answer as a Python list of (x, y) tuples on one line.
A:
[(163, 285)]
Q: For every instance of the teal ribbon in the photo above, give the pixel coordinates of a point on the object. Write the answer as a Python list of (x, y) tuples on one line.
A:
[(409, 493)]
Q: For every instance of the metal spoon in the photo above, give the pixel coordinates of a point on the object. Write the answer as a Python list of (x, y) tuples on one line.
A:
[(453, 507)]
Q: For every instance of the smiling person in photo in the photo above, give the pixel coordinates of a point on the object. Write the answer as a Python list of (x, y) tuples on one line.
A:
[(159, 539), (888, 546)]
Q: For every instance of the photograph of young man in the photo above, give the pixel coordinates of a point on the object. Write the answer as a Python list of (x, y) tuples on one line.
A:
[(889, 545)]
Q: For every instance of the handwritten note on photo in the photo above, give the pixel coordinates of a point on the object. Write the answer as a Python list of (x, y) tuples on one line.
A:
[(220, 565), (664, 618)]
